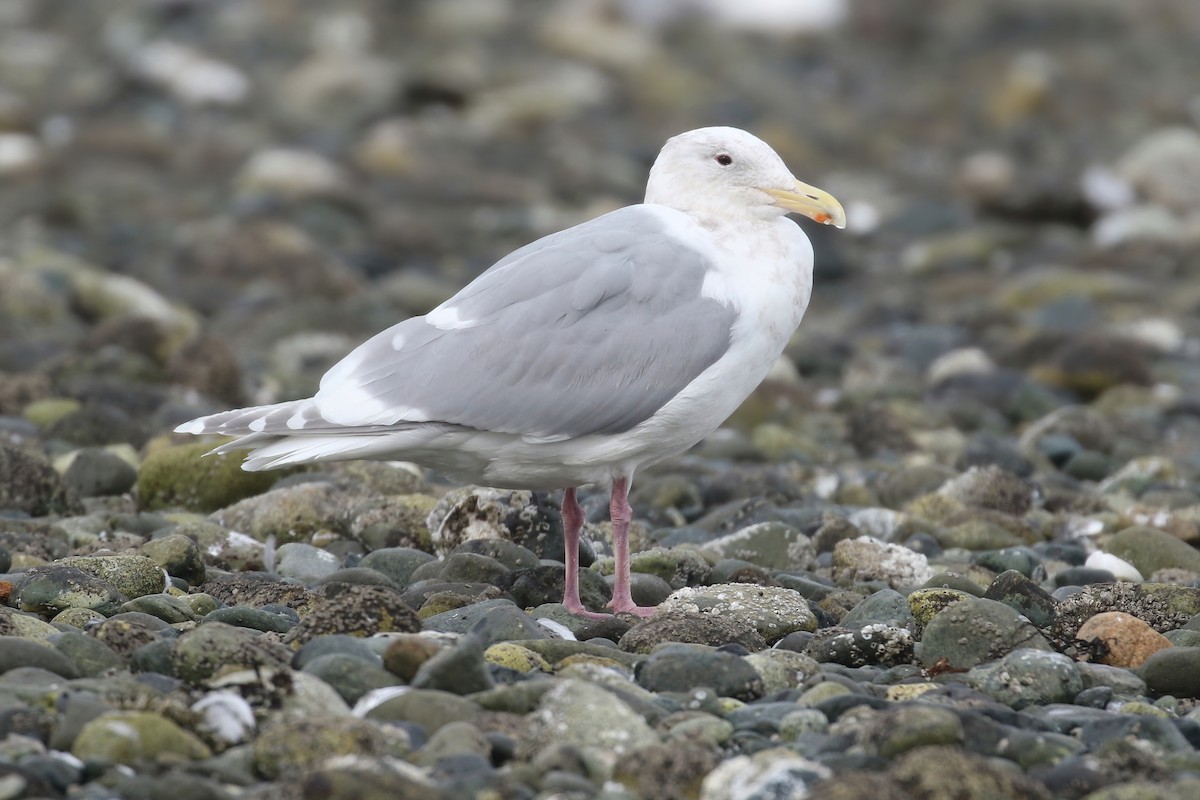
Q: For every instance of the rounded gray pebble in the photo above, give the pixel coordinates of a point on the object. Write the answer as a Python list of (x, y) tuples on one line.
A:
[(974, 630), (681, 668), (1174, 671), (259, 619)]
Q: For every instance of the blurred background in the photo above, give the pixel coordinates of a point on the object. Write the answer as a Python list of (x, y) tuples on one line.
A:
[(207, 203)]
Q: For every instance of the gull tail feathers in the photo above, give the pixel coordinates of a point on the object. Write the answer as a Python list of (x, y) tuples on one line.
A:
[(280, 418), (284, 451), (294, 432)]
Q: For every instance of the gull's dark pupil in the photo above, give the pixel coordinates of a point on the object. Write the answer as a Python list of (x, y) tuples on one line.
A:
[(724, 159)]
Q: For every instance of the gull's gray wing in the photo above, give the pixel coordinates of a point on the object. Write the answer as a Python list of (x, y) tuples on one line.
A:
[(587, 331)]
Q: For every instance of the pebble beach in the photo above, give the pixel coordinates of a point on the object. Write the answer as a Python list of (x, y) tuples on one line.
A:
[(948, 550)]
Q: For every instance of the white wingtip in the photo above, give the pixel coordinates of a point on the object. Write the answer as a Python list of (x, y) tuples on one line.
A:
[(195, 426)]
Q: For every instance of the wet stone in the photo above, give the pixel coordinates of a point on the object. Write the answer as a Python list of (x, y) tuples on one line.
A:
[(544, 584), (1149, 550), (510, 554), (910, 726), (772, 545), (130, 736), (1018, 559), (304, 562), (678, 567), (29, 483), (494, 620), (351, 646), (429, 708), (282, 749), (471, 568)]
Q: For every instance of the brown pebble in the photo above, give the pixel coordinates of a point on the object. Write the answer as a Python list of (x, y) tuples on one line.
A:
[(407, 652), (1118, 639)]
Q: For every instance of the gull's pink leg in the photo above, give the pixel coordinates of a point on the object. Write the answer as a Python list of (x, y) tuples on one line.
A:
[(572, 516), (621, 515)]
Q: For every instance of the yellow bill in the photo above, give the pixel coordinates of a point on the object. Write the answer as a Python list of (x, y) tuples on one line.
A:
[(812, 202)]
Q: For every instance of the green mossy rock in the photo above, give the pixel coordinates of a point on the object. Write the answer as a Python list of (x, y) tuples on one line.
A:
[(179, 477), (1150, 550), (126, 737)]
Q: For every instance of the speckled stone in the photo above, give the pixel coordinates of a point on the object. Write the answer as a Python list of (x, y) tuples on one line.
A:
[(926, 603), (772, 545), (581, 714), (131, 575), (297, 744), (773, 611), (974, 631), (769, 773), (358, 611), (212, 649), (679, 626), (878, 644), (910, 726), (866, 559), (1028, 677), (1161, 606), (55, 588)]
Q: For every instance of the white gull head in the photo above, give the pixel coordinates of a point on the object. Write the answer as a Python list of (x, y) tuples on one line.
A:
[(729, 175)]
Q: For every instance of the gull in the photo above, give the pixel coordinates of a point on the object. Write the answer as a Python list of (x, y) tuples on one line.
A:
[(583, 356)]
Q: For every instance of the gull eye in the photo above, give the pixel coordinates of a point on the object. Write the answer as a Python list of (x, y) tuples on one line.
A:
[(724, 159)]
